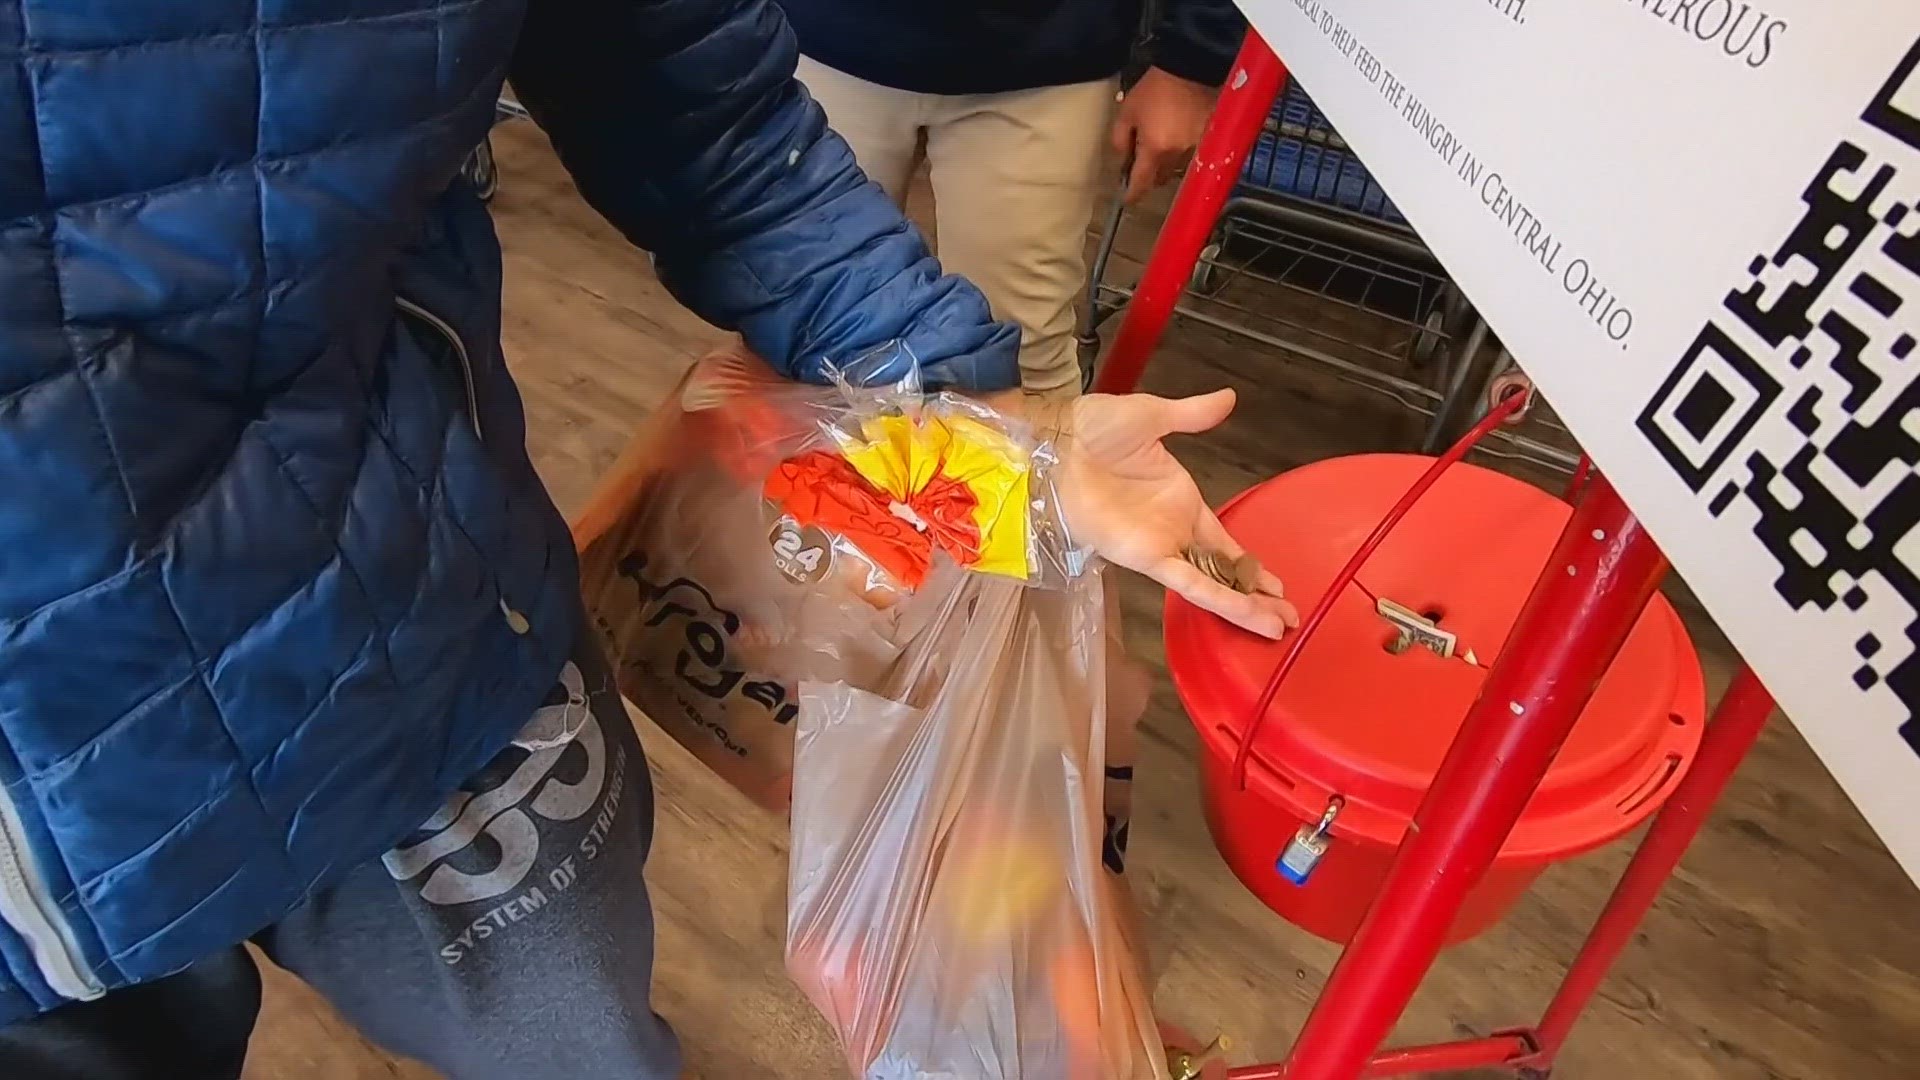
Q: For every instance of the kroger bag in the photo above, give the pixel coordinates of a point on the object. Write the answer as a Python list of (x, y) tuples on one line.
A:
[(714, 607)]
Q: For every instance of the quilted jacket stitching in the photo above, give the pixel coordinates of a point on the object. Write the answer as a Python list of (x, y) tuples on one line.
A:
[(211, 894), (30, 51), (325, 523), (427, 485), (113, 580), (436, 500), (63, 307), (185, 640), (159, 551), (251, 294), (282, 826), (254, 166), (13, 398), (64, 765), (187, 820), (321, 701), (259, 189), (432, 499)]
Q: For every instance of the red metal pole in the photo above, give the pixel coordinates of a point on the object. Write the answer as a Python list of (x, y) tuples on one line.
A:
[(1450, 1057), (1489, 1053), (1597, 582), (1737, 723), (1243, 107), (1579, 480)]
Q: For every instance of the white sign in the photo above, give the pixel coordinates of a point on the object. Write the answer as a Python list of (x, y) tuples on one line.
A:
[(1696, 223)]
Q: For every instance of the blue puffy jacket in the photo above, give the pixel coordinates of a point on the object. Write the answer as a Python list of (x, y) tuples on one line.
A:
[(275, 573)]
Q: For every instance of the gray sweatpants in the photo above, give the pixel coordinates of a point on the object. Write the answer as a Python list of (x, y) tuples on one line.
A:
[(509, 936)]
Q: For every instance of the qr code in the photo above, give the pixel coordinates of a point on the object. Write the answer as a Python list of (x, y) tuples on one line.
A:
[(1794, 408)]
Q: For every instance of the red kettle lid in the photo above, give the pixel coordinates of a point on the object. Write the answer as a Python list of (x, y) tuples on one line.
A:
[(1364, 720)]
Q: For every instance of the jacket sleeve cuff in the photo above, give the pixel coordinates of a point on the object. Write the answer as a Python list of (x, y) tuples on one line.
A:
[(1191, 62), (1198, 39)]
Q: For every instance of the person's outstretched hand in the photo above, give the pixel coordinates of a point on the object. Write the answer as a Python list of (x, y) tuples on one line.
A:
[(1126, 497)]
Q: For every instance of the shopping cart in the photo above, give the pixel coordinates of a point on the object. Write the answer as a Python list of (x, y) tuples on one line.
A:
[(1310, 257), (1299, 154)]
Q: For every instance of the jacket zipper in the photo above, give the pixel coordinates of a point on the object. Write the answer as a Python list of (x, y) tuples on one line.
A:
[(515, 619), (26, 906), (444, 329)]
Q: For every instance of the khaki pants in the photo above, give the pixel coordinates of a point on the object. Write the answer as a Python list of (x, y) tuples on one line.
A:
[(1015, 176)]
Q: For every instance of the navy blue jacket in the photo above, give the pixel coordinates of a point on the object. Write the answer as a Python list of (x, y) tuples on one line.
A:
[(275, 573), (991, 46)]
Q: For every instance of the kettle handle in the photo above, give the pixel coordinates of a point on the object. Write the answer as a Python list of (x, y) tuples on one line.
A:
[(1506, 408)]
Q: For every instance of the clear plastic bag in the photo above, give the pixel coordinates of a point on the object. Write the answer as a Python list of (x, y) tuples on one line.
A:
[(948, 911), (914, 659), (711, 635), (717, 559)]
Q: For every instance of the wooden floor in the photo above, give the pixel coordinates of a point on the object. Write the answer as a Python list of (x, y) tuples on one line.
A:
[(1788, 948)]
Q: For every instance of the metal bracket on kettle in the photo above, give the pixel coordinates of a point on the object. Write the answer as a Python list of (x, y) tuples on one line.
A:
[(1190, 1064)]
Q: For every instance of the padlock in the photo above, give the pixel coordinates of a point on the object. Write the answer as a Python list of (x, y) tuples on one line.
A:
[(1302, 856)]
